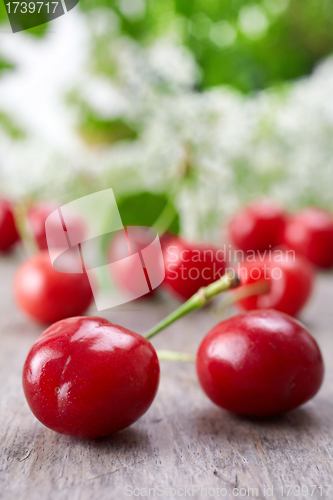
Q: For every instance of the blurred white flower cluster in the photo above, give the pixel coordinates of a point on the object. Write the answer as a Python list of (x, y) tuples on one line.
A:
[(218, 149)]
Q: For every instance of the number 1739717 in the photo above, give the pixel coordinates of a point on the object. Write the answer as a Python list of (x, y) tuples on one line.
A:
[(31, 7)]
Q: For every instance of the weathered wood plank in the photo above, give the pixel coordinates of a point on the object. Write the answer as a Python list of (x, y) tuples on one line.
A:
[(182, 441)]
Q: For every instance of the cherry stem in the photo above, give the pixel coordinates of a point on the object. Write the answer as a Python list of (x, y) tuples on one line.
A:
[(166, 217), (199, 299), (242, 293), (249, 291), (181, 357), (28, 241), (168, 214)]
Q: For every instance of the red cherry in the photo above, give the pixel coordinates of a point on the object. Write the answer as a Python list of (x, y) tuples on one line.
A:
[(124, 244), (257, 226), (165, 238), (310, 233), (260, 364), (189, 267), (88, 378), (8, 231), (36, 217), (290, 279), (47, 295)]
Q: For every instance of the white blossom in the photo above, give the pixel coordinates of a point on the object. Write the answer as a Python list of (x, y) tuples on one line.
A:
[(278, 142)]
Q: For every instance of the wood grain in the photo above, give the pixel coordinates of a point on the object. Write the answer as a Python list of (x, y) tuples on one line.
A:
[(182, 441)]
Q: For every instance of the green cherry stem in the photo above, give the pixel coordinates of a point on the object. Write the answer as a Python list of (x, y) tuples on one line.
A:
[(181, 357), (241, 293), (197, 300), (168, 214), (28, 241), (249, 290), (166, 217)]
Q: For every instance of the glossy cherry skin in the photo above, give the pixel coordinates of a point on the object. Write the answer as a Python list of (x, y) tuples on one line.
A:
[(47, 295), (290, 279), (88, 378), (189, 267), (8, 232), (258, 226), (310, 233), (36, 217), (260, 364)]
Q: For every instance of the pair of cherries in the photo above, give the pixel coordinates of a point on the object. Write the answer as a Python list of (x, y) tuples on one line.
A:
[(264, 224), (288, 279), (89, 378)]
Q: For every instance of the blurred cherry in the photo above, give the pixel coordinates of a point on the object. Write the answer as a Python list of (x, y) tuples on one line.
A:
[(190, 266), (8, 232), (36, 217), (131, 242), (289, 278), (310, 233), (47, 295), (258, 226)]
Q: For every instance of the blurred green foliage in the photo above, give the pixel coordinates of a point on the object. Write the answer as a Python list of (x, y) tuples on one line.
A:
[(143, 209), (38, 31), (3, 13), (248, 45), (97, 131), (10, 127), (5, 65)]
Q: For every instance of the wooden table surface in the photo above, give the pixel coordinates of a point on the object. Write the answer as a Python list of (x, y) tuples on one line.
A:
[(183, 441)]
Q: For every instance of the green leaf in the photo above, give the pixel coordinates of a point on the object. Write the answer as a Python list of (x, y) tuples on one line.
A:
[(96, 131), (5, 65), (143, 209), (25, 20), (297, 36), (10, 126)]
